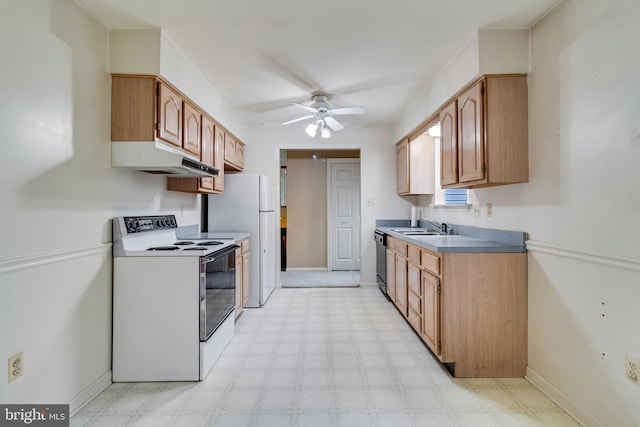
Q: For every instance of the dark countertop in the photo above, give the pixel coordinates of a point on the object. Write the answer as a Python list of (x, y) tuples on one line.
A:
[(465, 239)]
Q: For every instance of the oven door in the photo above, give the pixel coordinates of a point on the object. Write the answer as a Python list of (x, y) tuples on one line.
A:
[(217, 289)]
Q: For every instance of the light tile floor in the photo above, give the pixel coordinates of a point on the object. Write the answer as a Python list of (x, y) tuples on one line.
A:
[(325, 357)]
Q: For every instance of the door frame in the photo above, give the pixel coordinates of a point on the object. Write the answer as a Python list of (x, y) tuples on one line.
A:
[(330, 222)]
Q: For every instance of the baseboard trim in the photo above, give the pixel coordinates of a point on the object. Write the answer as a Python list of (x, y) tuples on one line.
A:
[(89, 393), (38, 259), (561, 399), (615, 261)]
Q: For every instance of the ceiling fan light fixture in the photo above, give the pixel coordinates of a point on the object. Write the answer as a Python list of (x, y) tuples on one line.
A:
[(325, 133), (311, 129)]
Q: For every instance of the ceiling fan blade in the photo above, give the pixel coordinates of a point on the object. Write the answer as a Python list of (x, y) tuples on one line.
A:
[(306, 107), (347, 110), (299, 119), (333, 123)]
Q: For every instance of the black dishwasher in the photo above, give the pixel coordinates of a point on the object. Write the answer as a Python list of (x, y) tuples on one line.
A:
[(381, 260)]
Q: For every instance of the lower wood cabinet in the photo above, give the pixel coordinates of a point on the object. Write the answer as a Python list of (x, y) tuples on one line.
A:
[(242, 275), (391, 275), (430, 287), (469, 308)]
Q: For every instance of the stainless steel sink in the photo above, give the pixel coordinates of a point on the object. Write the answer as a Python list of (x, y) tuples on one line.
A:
[(417, 232)]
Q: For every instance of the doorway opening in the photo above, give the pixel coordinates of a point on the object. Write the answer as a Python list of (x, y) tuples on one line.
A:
[(310, 232)]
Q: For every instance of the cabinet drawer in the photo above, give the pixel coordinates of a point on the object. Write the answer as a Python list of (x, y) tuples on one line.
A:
[(415, 303), (413, 253), (397, 245), (415, 320), (430, 262)]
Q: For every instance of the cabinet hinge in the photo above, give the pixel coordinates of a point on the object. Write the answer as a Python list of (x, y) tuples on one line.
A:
[(158, 127), (439, 346), (484, 168), (438, 288), (482, 89)]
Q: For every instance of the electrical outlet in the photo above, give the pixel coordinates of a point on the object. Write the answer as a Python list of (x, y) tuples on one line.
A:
[(476, 210), (16, 366), (489, 209), (632, 365)]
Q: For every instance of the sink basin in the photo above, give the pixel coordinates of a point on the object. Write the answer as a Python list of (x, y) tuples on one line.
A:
[(417, 232)]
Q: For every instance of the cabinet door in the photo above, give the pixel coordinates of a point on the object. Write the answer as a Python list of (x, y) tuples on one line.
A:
[(170, 116), (240, 155), (207, 155), (413, 278), (192, 130), (471, 134), (414, 296), (246, 268), (391, 275), (218, 182), (401, 284), (402, 167), (239, 279), (229, 149), (449, 145), (431, 311)]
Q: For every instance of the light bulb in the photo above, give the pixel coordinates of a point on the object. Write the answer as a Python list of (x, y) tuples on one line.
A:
[(325, 132), (311, 129)]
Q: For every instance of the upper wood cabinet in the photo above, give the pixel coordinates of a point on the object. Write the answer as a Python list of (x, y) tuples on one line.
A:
[(170, 115), (143, 108), (489, 142), (415, 164), (208, 153), (402, 166), (449, 144), (192, 138), (218, 182), (233, 154)]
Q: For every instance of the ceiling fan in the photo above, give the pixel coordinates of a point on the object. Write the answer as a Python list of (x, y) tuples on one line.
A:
[(322, 115)]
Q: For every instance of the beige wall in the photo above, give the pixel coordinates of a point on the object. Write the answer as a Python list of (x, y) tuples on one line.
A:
[(307, 206)]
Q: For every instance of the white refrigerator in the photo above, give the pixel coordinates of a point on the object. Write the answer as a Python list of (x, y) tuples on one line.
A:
[(247, 205)]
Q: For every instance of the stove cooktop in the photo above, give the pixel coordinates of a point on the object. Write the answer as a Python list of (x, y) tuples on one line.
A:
[(156, 236)]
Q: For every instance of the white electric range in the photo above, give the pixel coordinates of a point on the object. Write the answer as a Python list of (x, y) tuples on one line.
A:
[(173, 300)]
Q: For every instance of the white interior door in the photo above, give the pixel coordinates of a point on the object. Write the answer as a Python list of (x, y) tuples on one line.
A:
[(344, 214)]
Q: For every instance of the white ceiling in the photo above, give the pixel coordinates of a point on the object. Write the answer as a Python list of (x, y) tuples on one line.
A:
[(261, 55)]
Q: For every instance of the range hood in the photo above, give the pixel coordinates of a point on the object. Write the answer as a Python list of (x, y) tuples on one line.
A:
[(156, 158)]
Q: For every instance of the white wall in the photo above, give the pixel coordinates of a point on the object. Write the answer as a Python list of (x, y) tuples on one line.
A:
[(378, 176), (580, 208), (487, 51), (59, 193), (152, 51)]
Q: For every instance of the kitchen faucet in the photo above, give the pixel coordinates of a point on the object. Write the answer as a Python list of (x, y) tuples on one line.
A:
[(443, 227)]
